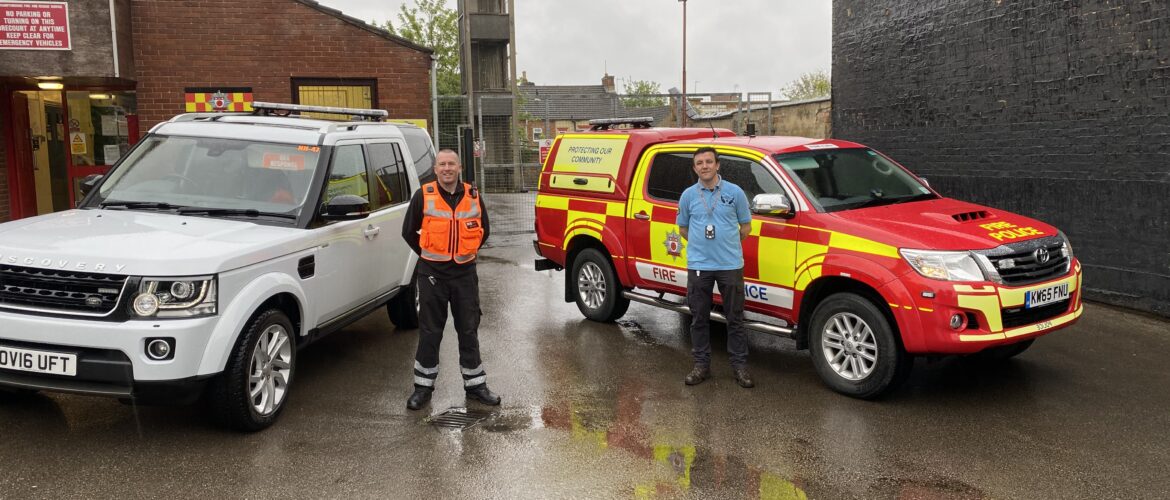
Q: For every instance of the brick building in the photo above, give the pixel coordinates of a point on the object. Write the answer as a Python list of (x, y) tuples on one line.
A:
[(1055, 110), (73, 104)]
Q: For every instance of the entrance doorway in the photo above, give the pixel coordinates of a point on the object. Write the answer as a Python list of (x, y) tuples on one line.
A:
[(62, 136), (45, 143)]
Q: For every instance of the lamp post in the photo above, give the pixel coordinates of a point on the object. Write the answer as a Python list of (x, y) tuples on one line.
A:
[(683, 104)]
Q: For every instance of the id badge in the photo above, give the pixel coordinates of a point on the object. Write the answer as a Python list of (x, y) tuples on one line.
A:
[(710, 231)]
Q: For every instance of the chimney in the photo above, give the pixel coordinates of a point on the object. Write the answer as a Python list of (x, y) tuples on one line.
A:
[(607, 82)]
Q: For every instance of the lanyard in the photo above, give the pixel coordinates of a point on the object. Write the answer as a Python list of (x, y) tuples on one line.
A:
[(715, 192)]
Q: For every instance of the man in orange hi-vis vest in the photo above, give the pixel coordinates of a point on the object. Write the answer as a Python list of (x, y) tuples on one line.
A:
[(446, 224)]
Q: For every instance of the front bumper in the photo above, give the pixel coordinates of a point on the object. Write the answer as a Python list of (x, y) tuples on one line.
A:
[(111, 357), (994, 314)]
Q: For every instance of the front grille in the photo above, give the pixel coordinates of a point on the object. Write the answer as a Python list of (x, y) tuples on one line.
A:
[(59, 291), (1019, 316), (1026, 268)]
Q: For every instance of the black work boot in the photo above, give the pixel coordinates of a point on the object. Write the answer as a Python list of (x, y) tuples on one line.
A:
[(484, 395), (698, 375), (421, 396), (743, 378)]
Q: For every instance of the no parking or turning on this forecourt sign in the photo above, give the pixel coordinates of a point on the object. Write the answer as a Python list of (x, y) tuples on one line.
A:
[(34, 26)]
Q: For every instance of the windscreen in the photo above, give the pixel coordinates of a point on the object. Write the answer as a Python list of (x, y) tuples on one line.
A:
[(214, 173), (843, 179)]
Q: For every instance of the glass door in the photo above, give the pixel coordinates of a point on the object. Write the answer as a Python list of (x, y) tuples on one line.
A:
[(102, 127)]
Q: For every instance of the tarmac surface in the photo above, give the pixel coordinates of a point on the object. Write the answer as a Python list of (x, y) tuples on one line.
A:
[(600, 411)]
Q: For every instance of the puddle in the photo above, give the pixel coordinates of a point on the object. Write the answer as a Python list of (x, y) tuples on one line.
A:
[(640, 334)]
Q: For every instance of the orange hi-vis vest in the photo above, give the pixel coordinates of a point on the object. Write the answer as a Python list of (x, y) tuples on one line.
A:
[(450, 234)]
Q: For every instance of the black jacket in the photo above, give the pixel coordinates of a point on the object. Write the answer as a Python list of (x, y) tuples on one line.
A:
[(413, 223)]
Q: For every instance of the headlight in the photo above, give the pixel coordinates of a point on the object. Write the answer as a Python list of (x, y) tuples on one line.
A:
[(947, 266), (1066, 247), (175, 297)]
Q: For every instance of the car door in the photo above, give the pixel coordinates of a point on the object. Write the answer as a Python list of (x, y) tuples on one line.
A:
[(659, 253), (343, 280), (390, 197), (770, 251)]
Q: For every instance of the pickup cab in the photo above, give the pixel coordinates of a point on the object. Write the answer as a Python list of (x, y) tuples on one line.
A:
[(850, 253)]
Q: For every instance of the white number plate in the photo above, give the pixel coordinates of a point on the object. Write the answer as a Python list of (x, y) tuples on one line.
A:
[(25, 360), (1044, 296)]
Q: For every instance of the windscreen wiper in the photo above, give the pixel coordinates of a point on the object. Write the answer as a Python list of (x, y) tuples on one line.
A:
[(131, 205), (246, 212), (875, 201)]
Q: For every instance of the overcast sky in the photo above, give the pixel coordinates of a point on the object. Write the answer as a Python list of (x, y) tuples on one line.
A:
[(732, 45)]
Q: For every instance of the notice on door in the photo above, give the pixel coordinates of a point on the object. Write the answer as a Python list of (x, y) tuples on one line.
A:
[(77, 144), (34, 26)]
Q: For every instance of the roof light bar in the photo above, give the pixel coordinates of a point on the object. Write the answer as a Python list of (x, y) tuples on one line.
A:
[(281, 109), (607, 123)]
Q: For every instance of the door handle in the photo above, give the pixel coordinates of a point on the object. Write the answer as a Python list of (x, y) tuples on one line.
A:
[(642, 216), (580, 181), (371, 231)]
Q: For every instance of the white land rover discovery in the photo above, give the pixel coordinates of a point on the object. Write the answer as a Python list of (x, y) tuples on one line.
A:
[(219, 246)]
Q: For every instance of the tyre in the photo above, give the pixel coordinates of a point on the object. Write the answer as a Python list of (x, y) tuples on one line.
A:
[(403, 309), (252, 390), (1003, 352), (595, 287), (854, 349)]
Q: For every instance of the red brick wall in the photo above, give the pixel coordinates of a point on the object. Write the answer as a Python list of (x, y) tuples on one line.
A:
[(263, 44), (5, 212)]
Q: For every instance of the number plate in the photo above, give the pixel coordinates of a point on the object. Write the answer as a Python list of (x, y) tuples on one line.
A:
[(26, 360), (1045, 296)]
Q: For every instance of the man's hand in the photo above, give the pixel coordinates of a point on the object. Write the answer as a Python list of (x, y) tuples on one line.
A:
[(683, 231), (744, 231)]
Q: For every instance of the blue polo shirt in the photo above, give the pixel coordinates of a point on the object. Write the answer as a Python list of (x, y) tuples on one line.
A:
[(726, 207)]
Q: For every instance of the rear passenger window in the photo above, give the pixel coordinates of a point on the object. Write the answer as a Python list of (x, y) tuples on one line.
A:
[(418, 143), (390, 177), (670, 175)]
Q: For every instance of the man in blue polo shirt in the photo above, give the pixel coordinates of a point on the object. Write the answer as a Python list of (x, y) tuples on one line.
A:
[(714, 217)]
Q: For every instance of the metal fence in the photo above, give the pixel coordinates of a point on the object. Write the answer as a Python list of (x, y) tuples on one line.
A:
[(508, 129)]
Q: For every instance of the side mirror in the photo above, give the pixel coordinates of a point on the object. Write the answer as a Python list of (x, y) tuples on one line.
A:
[(346, 207), (88, 182), (924, 181), (772, 204)]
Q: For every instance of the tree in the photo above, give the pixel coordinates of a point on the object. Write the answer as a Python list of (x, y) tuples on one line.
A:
[(812, 85), (432, 24), (642, 94)]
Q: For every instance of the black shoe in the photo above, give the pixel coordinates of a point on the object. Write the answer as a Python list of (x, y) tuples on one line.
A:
[(484, 395), (421, 396), (698, 375), (743, 378)]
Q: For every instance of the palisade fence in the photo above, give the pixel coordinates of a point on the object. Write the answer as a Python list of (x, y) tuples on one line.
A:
[(508, 130)]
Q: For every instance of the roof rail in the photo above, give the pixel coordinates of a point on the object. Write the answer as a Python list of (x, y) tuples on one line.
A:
[(281, 109), (608, 123)]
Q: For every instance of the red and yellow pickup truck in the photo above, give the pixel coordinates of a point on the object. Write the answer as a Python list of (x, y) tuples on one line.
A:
[(850, 254)]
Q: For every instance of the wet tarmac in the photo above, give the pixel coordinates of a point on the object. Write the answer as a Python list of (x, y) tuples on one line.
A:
[(600, 411)]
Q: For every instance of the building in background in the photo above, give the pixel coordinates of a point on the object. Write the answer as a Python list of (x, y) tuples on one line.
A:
[(81, 81)]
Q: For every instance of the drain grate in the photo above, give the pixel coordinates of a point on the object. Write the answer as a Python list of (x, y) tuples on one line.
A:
[(457, 418)]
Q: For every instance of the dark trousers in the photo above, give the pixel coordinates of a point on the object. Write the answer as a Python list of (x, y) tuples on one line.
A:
[(434, 296), (700, 285)]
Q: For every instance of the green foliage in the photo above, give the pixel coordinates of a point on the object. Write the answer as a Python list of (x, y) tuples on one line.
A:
[(432, 24), (642, 94), (812, 85)]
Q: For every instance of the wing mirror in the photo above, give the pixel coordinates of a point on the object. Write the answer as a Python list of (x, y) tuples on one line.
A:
[(924, 181), (346, 207), (772, 204), (88, 182)]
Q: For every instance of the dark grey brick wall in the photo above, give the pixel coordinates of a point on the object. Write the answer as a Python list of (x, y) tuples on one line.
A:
[(1058, 110)]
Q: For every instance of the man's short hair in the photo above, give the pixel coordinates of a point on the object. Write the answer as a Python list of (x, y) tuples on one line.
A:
[(707, 149), (449, 150)]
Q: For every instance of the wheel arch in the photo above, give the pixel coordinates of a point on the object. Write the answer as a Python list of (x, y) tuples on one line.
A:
[(581, 242), (824, 287), (264, 292)]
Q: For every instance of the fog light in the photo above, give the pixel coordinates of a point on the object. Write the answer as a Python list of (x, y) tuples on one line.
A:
[(159, 349), (958, 321), (146, 304)]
